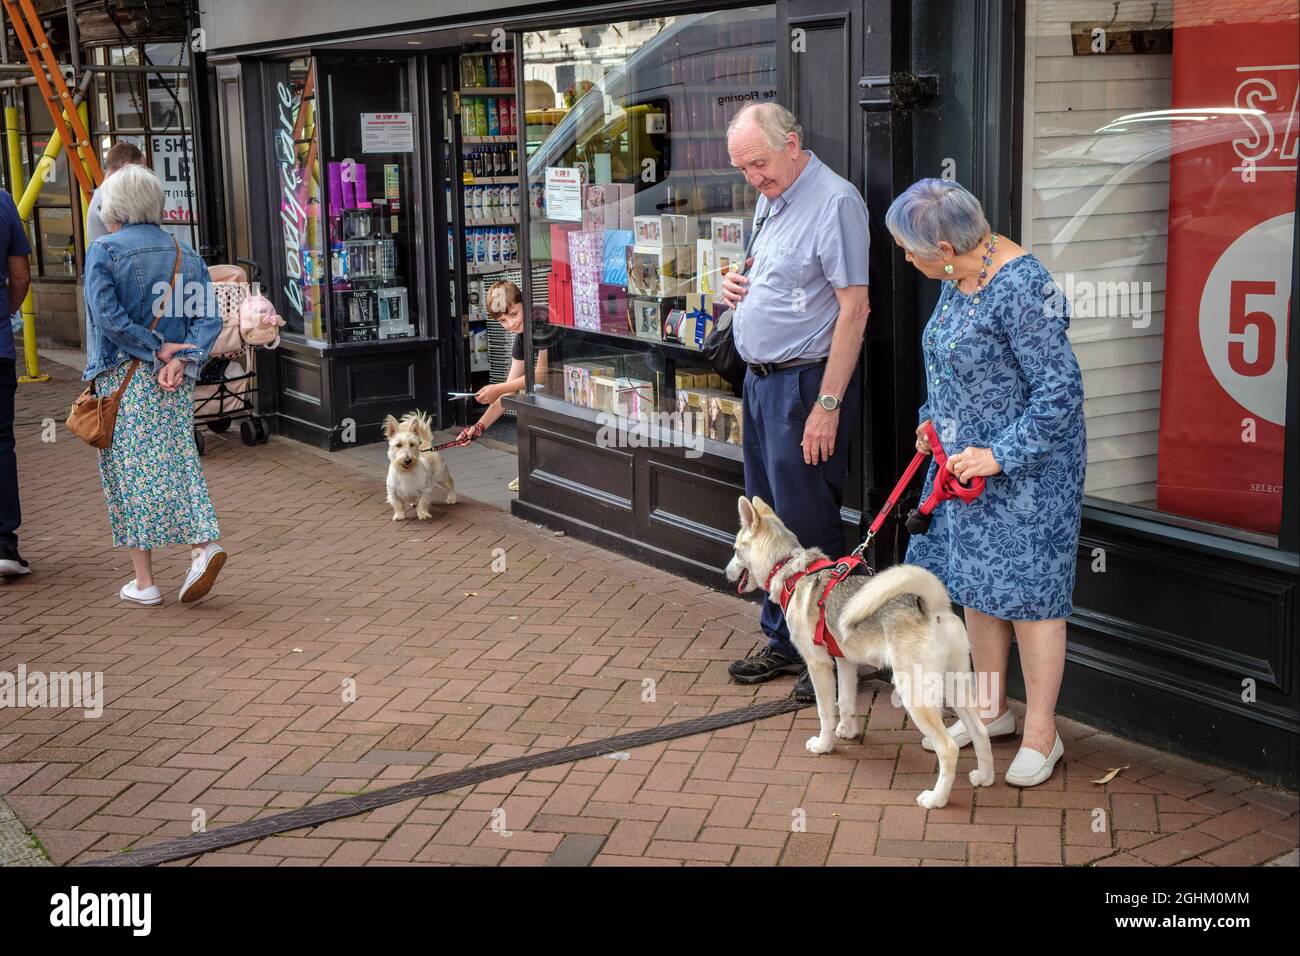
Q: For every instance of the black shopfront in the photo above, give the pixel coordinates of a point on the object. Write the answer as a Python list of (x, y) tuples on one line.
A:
[(1183, 634)]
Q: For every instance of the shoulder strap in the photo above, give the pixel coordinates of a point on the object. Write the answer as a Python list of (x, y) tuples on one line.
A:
[(157, 317)]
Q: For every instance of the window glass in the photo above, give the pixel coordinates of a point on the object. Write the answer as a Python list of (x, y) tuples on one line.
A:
[(58, 249), (1160, 183), (635, 208), (296, 157)]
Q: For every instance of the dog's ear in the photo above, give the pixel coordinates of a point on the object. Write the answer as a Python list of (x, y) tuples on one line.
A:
[(423, 429), (761, 508), (390, 427), (748, 517)]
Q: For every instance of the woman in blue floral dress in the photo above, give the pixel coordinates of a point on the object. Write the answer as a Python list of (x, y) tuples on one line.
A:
[(1005, 396), (153, 481)]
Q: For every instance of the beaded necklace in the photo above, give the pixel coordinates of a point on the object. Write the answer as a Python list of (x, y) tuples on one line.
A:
[(936, 327)]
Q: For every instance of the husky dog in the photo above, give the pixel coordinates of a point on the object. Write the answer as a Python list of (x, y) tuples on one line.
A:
[(900, 618), (415, 477)]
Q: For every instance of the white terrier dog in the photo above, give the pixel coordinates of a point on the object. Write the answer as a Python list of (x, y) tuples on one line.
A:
[(416, 475)]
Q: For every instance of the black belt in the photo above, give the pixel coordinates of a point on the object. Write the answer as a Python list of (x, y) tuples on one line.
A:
[(763, 369)]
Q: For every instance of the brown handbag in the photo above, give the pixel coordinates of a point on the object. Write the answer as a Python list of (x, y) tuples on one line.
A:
[(92, 417)]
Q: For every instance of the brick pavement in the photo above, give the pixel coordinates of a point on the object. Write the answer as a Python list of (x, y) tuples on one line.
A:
[(234, 706)]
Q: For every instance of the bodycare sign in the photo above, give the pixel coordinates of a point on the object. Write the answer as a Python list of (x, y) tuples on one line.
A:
[(1232, 188), (293, 217)]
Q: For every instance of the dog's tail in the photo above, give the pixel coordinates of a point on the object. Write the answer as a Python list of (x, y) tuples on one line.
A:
[(889, 584)]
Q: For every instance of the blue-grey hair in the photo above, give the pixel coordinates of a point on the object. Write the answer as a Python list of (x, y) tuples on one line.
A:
[(934, 209)]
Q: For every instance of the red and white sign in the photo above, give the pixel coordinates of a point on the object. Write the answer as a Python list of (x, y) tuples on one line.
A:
[(1232, 188)]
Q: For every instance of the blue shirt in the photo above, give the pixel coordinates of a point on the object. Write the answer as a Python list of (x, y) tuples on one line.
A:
[(814, 241), (13, 242), (127, 274)]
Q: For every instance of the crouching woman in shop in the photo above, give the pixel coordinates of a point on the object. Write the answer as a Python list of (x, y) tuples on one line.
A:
[(140, 284)]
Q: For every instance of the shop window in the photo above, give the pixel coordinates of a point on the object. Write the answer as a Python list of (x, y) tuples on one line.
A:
[(51, 221), (1159, 189), (635, 209), (155, 124)]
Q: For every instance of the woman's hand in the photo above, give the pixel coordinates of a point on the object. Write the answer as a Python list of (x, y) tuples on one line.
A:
[(171, 375), (488, 394), (973, 463), (923, 439), (169, 349)]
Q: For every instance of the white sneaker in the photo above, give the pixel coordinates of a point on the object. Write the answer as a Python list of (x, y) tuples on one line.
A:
[(1004, 726), (1031, 768), (205, 567), (150, 595)]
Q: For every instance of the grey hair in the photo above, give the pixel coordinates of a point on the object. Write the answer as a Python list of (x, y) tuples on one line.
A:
[(132, 194), (934, 209), (773, 120)]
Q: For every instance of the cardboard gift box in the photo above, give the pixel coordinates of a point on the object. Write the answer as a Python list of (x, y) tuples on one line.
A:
[(586, 306), (730, 234), (586, 257), (613, 308), (723, 420), (614, 271), (559, 300), (356, 309), (670, 230), (708, 281), (626, 205), (731, 409), (659, 270), (702, 302), (577, 381), (634, 398), (688, 327), (560, 248), (602, 393), (646, 314)]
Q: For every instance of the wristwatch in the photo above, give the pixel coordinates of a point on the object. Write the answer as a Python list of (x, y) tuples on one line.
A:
[(829, 402)]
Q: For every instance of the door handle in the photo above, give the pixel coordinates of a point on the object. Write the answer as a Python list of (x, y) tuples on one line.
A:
[(898, 91)]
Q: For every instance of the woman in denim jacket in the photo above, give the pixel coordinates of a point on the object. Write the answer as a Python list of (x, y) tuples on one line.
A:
[(152, 476)]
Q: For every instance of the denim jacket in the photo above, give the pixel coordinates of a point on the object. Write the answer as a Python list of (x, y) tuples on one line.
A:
[(126, 273)]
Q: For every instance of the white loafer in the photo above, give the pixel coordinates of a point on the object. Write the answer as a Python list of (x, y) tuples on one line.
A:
[(1004, 726), (204, 569), (1031, 768), (137, 595)]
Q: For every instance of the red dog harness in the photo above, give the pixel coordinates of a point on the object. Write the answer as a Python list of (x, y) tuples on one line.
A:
[(842, 569)]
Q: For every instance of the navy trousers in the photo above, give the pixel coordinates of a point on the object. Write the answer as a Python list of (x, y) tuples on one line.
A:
[(10, 515), (806, 498)]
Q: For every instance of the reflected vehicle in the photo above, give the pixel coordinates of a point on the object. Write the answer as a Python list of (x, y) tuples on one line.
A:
[(661, 114)]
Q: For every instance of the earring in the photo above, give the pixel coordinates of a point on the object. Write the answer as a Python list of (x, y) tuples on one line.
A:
[(947, 269)]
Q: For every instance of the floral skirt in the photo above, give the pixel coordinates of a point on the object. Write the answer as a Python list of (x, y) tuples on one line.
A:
[(152, 476)]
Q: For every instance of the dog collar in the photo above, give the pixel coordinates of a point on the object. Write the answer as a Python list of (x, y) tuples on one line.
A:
[(767, 585)]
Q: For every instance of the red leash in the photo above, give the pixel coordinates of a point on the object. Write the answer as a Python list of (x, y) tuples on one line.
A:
[(946, 486), (449, 444)]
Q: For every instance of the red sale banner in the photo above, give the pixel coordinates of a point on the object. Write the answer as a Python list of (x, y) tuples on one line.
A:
[(1232, 189)]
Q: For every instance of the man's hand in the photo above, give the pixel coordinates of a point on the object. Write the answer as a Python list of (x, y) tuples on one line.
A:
[(733, 285), (171, 348), (972, 463), (171, 375), (819, 435)]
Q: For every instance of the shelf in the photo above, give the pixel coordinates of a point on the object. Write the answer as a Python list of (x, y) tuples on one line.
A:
[(479, 140), (487, 268), (486, 91), (469, 179), (632, 341), (499, 221)]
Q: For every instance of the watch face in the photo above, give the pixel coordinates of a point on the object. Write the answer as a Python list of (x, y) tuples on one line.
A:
[(829, 402)]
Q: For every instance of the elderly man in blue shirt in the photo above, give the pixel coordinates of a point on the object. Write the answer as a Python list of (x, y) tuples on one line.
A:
[(800, 314)]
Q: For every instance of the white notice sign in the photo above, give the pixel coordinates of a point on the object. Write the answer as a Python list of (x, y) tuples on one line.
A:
[(563, 194), (387, 133)]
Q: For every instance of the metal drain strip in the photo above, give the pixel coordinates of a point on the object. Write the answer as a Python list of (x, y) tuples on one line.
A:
[(237, 833)]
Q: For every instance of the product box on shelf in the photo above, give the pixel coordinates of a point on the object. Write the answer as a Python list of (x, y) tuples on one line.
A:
[(700, 302), (356, 308), (613, 308), (688, 327), (634, 398), (577, 381), (659, 270), (559, 300), (707, 279), (599, 207), (614, 271), (396, 330), (560, 248), (586, 257), (720, 414), (646, 315), (626, 206), (392, 305), (731, 234), (586, 306), (667, 230)]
